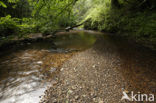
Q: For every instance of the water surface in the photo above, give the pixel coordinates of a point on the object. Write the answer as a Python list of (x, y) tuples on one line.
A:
[(27, 71)]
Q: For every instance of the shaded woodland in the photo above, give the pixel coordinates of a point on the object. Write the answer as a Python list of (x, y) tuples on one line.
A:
[(132, 18)]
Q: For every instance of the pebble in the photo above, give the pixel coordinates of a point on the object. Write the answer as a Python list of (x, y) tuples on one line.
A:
[(70, 91), (75, 69), (73, 87), (94, 99), (94, 66), (28, 43), (39, 62), (52, 69), (76, 97), (101, 101), (84, 95), (62, 69)]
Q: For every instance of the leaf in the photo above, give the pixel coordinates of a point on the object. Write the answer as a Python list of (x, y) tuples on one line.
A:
[(2, 4)]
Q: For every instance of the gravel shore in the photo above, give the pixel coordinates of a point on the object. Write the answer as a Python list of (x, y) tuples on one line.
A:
[(99, 75)]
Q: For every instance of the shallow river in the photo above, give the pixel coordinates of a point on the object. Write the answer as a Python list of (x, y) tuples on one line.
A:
[(25, 73)]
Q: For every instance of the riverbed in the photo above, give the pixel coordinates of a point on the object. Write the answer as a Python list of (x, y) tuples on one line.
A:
[(27, 71), (97, 65)]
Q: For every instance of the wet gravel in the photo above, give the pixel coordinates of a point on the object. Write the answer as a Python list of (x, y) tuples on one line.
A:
[(99, 75)]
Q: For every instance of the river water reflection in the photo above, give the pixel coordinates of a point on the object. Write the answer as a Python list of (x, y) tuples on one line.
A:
[(25, 73)]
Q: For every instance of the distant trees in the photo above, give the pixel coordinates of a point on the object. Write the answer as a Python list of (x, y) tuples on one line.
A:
[(134, 18)]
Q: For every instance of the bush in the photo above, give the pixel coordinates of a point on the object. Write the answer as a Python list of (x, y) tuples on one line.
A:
[(16, 27), (8, 26)]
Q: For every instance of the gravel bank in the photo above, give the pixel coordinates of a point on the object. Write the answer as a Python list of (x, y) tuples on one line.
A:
[(99, 75)]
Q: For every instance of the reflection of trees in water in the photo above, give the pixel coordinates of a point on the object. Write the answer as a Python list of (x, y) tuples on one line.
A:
[(23, 73)]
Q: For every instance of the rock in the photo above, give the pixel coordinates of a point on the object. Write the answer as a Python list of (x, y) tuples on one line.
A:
[(84, 95), (75, 69), (62, 69), (52, 70), (70, 91), (94, 66), (73, 87), (39, 62), (94, 99), (67, 101), (76, 97), (101, 101), (28, 43)]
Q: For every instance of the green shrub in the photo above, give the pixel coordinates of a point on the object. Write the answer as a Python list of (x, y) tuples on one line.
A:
[(8, 26), (16, 27)]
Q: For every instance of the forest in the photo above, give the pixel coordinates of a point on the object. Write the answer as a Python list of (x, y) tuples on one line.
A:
[(132, 18)]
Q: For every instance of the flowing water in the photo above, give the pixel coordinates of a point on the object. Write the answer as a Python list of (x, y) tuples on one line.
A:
[(25, 73)]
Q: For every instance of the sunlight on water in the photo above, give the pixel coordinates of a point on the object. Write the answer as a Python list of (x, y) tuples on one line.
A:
[(26, 73)]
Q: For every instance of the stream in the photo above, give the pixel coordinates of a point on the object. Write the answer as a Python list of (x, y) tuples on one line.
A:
[(25, 73)]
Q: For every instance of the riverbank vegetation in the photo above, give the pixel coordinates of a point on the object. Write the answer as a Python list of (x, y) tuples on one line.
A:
[(132, 18), (18, 18)]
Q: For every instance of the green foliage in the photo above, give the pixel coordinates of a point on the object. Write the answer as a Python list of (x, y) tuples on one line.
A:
[(12, 27), (53, 14), (35, 16), (7, 1), (133, 18), (15, 8), (2, 4), (8, 26)]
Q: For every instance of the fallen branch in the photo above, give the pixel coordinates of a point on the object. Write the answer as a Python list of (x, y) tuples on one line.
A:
[(63, 30), (70, 28)]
